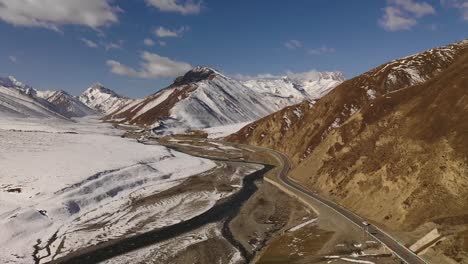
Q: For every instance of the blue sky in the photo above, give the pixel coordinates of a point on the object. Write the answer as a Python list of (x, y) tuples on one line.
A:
[(89, 41)]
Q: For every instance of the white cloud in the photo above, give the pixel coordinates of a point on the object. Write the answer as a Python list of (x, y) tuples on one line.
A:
[(12, 59), (296, 44), (419, 9), (148, 42), (54, 13), (321, 50), (462, 5), (293, 44), (403, 14), (153, 66), (89, 43), (163, 32), (184, 7), (394, 20), (113, 45)]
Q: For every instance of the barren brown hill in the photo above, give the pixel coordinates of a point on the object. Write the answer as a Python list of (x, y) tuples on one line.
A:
[(391, 145)]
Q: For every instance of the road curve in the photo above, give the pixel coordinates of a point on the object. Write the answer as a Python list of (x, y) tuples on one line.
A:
[(404, 253)]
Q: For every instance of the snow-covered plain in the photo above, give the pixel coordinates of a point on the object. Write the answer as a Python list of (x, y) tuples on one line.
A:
[(67, 185)]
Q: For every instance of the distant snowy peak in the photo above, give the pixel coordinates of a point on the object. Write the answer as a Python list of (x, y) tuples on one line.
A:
[(102, 99), (67, 104), (297, 87), (18, 100), (12, 82)]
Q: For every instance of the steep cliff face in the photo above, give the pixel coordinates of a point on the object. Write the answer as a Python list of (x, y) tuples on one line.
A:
[(391, 144)]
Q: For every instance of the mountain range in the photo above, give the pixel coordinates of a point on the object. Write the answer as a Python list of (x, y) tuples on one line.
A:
[(20, 100), (202, 98)]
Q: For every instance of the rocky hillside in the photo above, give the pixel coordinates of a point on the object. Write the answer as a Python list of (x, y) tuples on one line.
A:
[(202, 98), (66, 104), (102, 99), (390, 144)]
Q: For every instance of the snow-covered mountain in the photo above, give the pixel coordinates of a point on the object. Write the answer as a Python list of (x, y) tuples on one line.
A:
[(66, 104), (18, 100), (295, 88), (103, 99), (204, 97)]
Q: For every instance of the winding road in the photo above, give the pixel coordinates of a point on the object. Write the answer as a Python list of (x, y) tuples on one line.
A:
[(404, 253)]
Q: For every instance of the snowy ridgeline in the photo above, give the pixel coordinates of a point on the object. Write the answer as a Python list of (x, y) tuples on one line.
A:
[(69, 178)]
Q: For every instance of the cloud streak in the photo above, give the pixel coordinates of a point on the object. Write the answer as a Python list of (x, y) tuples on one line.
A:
[(148, 42), (113, 45), (322, 50), (12, 59), (184, 7), (153, 66), (89, 43), (163, 32), (293, 44)]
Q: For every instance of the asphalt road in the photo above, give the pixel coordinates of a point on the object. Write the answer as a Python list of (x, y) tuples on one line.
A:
[(404, 253)]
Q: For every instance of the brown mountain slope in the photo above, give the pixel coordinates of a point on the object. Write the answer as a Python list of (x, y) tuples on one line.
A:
[(298, 129), (399, 155)]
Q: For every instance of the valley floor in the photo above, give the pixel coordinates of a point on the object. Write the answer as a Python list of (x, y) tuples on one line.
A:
[(73, 190)]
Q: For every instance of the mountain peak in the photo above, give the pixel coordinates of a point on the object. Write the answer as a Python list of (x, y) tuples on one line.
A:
[(196, 74), (102, 99), (203, 69), (97, 85)]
